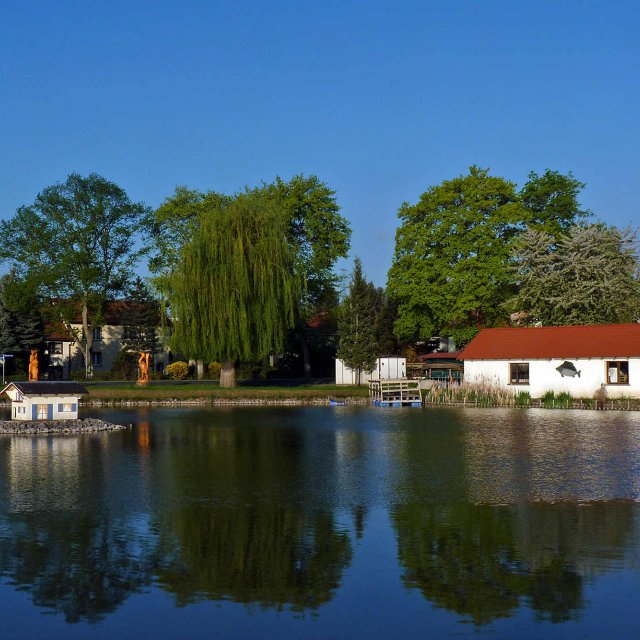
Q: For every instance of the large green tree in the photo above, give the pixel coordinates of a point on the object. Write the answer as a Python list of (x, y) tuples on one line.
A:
[(174, 223), (551, 202), (76, 245), (591, 275), (316, 232), (319, 236), (449, 273), (358, 348), (235, 292)]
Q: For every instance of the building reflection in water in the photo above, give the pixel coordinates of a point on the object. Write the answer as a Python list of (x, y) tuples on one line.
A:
[(543, 503)]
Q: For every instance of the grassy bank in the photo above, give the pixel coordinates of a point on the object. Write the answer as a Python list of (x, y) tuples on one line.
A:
[(209, 392)]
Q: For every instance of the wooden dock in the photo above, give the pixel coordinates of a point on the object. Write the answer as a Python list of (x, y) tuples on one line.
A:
[(395, 393)]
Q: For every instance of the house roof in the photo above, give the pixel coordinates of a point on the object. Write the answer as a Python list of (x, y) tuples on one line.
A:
[(546, 343), (47, 388)]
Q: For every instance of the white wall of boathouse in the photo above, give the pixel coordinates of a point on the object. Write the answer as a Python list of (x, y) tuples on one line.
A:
[(543, 376)]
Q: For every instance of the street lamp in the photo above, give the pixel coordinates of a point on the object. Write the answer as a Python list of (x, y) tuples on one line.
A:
[(3, 357)]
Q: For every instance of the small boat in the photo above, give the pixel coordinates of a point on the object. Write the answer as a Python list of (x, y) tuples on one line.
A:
[(336, 403)]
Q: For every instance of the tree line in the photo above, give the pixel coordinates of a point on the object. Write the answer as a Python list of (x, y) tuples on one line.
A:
[(238, 277)]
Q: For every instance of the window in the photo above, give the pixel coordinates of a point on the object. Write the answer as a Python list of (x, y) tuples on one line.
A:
[(519, 372), (55, 347), (66, 407), (96, 358), (42, 411), (617, 373), (97, 333)]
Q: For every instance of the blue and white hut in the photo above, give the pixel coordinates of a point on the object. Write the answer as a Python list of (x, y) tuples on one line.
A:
[(44, 400)]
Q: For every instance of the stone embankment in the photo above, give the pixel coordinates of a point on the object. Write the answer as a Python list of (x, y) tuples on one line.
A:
[(72, 427), (262, 402)]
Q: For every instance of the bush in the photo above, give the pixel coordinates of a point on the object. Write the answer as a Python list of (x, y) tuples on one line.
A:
[(213, 369), (178, 370), (523, 399), (564, 399), (549, 400)]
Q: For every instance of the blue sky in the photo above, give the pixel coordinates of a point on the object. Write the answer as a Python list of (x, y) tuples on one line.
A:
[(379, 99)]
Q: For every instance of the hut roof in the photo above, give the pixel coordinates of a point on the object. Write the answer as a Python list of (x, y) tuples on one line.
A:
[(48, 388)]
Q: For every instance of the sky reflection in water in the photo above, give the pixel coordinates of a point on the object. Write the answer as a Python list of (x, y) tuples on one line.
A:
[(325, 522)]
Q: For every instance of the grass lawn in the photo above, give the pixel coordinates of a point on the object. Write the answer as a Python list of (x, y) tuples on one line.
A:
[(113, 392)]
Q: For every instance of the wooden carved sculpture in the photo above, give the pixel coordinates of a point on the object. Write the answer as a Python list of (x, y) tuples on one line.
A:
[(143, 365), (33, 366)]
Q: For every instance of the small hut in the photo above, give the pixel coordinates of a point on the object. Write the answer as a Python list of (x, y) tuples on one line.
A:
[(44, 400)]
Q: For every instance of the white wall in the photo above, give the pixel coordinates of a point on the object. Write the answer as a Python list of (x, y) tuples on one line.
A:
[(345, 375), (385, 369), (29, 401), (544, 377)]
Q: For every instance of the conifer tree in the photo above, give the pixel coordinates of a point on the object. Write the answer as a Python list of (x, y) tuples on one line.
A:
[(141, 320), (21, 327), (358, 348)]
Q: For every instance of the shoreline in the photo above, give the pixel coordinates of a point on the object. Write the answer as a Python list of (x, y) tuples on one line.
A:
[(213, 401), (64, 427)]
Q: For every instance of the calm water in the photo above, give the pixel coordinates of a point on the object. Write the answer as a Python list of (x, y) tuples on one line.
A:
[(325, 523)]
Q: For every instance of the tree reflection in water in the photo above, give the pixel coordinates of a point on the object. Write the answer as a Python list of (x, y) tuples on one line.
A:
[(244, 524), (532, 510)]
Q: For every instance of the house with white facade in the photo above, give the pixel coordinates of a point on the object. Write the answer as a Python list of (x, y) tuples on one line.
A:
[(64, 356), (44, 400), (577, 360)]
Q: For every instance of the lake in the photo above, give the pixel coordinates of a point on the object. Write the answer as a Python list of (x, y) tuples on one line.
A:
[(324, 522)]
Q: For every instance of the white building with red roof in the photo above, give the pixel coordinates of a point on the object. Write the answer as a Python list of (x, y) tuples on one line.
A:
[(577, 360)]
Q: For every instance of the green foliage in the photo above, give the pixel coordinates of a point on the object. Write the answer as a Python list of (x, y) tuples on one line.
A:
[(178, 370), (76, 246), (317, 236), (357, 348), (124, 365), (551, 201), (523, 399), (141, 320), (21, 327), (449, 273), (176, 221), (235, 292), (564, 400), (548, 399), (451, 269), (589, 276), (317, 232)]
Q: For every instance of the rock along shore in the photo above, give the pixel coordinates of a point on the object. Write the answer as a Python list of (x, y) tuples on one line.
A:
[(33, 427), (221, 401)]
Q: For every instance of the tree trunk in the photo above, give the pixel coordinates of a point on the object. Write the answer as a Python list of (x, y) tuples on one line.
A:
[(200, 369), (228, 374), (88, 342), (306, 353)]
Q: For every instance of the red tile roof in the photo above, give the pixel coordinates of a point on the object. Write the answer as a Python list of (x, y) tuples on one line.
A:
[(545, 343)]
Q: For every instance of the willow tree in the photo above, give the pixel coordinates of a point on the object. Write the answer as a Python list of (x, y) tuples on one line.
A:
[(234, 293)]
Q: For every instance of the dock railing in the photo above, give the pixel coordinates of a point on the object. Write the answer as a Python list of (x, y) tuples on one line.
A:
[(395, 392)]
